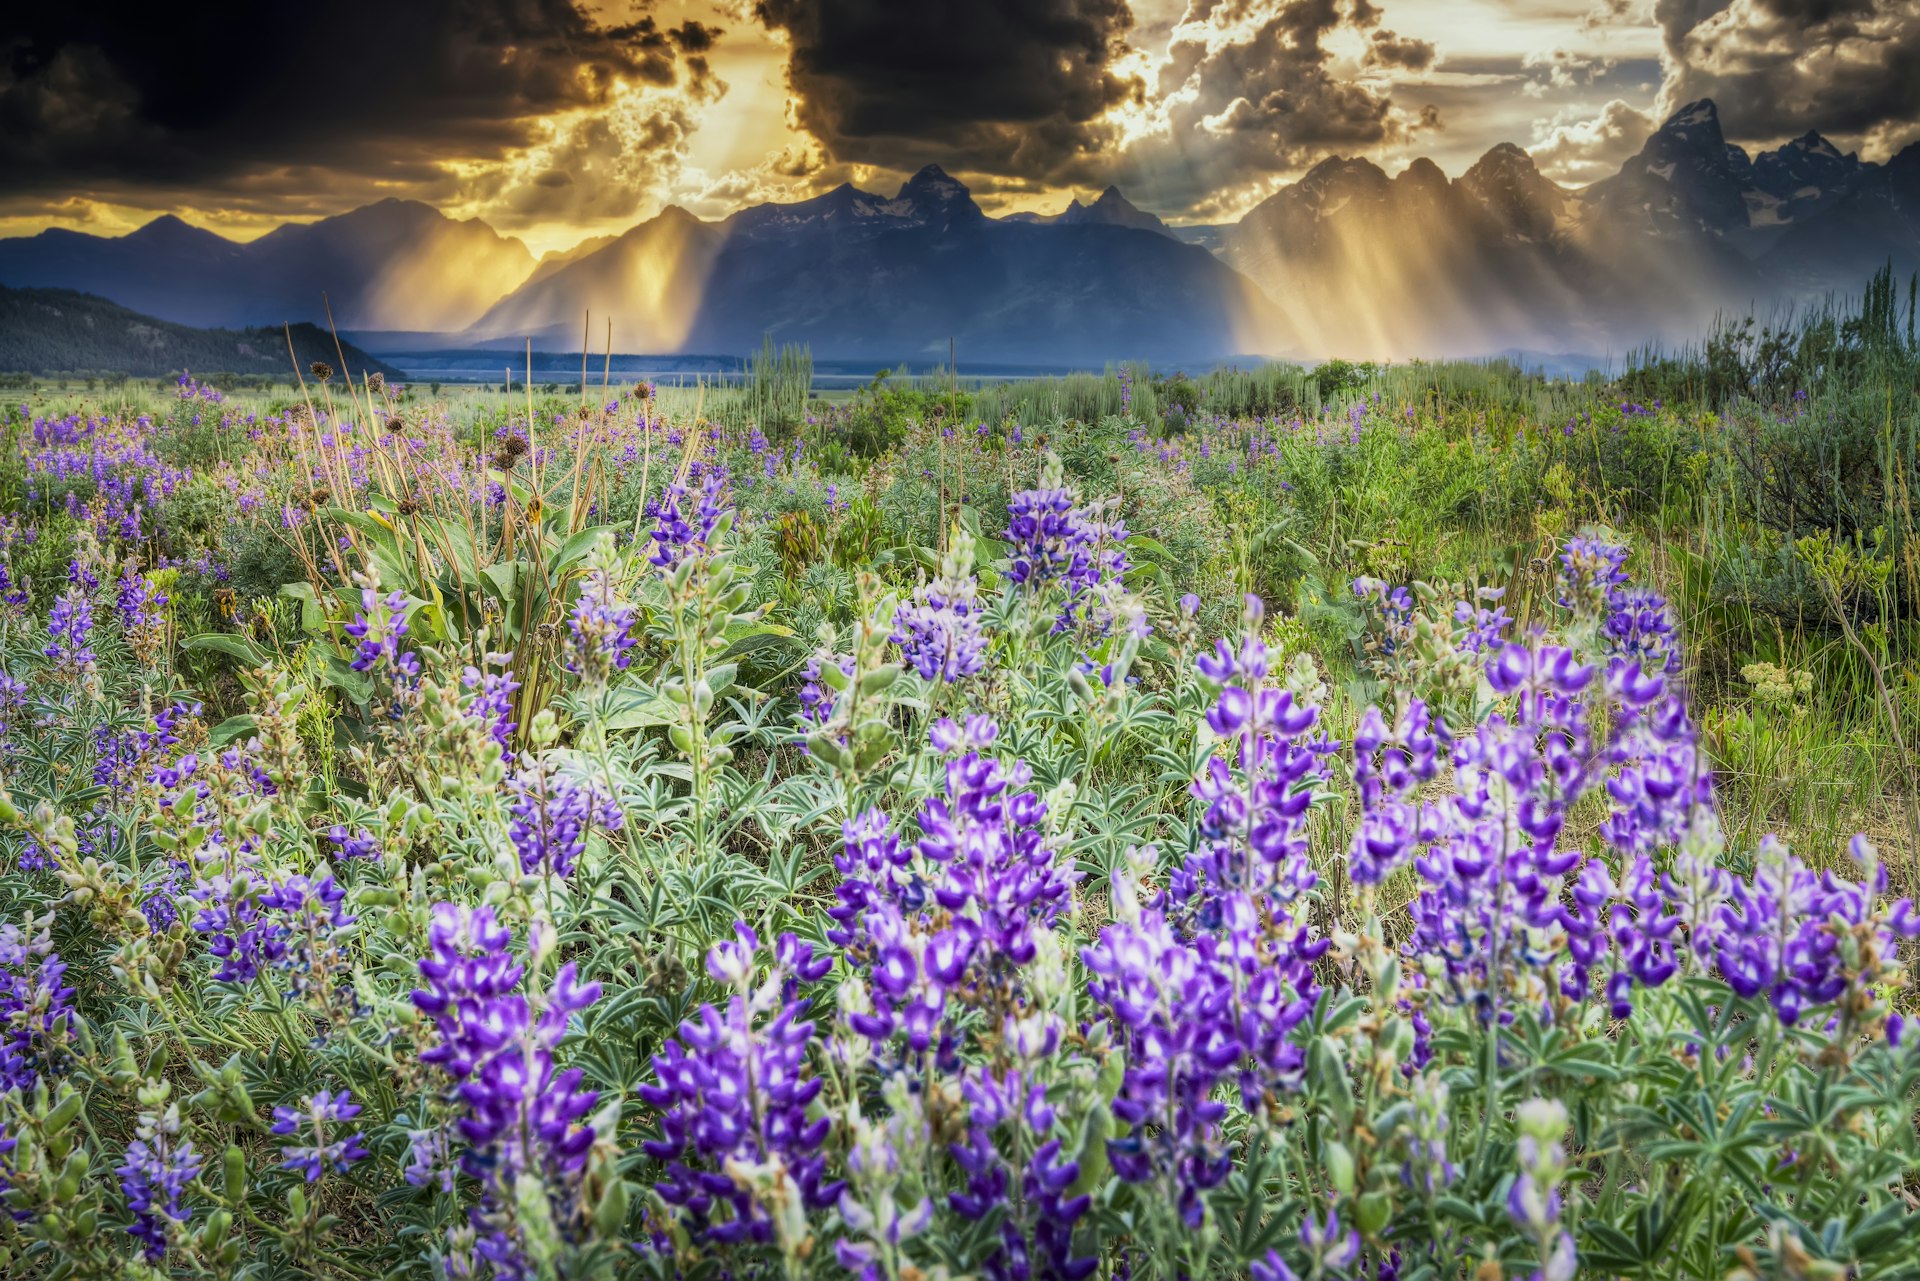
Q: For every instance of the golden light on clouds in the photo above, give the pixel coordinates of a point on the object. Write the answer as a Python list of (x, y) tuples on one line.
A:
[(557, 123)]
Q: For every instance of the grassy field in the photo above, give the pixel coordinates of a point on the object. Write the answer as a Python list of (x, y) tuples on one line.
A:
[(1324, 822)]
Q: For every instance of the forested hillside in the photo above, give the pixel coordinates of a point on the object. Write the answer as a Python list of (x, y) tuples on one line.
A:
[(59, 331)]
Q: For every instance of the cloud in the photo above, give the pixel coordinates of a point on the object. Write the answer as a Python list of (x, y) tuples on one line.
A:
[(1014, 93), (1007, 87), (1251, 89), (243, 104), (1780, 67), (1607, 14), (1570, 149), (1389, 50), (1566, 69)]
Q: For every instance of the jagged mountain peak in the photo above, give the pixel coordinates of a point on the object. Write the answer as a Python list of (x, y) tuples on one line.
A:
[(1336, 182), (1812, 143), (933, 181), (1503, 162), (1698, 117), (935, 198), (1112, 210), (1341, 167)]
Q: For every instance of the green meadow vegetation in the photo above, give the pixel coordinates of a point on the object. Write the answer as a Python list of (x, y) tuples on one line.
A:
[(1426, 820)]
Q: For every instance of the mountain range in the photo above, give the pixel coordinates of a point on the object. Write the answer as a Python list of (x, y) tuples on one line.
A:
[(397, 264), (1348, 260)]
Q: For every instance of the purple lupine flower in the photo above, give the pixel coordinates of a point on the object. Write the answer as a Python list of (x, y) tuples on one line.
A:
[(874, 869), (154, 1177), (1662, 784), (1395, 608), (818, 698), (1331, 1251), (430, 1161), (1479, 628), (551, 817), (256, 925), (976, 734), (684, 524), (1639, 626), (1044, 534), (1389, 766), (1590, 569), (13, 702), (1170, 1005), (1271, 1268), (1788, 933), (1533, 1200), (13, 597), (491, 703), (1098, 568), (69, 626), (116, 760), (600, 636), (1036, 1228), (324, 1151), (1489, 904), (162, 890), (520, 1115), (36, 1010), (142, 611), (1633, 918), (966, 906), (939, 632), (354, 842), (379, 627), (732, 1089), (166, 722), (1254, 823), (1427, 1169)]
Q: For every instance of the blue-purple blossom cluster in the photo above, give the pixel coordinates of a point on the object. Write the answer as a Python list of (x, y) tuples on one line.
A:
[(159, 1165), (740, 1155), (939, 631), (684, 520), (316, 1125), (600, 631), (552, 816), (37, 1018), (517, 1112), (945, 924)]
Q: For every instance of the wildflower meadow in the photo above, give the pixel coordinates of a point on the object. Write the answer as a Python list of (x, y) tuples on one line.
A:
[(1425, 822)]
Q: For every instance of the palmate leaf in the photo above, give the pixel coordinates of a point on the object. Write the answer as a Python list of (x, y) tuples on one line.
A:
[(1642, 1247)]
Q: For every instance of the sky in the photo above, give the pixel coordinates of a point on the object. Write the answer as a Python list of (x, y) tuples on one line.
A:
[(559, 120)]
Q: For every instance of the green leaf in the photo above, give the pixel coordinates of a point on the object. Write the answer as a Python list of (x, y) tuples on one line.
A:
[(339, 673), (641, 707), (577, 547), (238, 647), (313, 618), (231, 728)]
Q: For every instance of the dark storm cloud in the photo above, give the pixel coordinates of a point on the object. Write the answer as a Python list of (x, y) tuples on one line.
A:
[(1779, 67), (222, 97), (1253, 92), (1390, 50), (1009, 87)]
